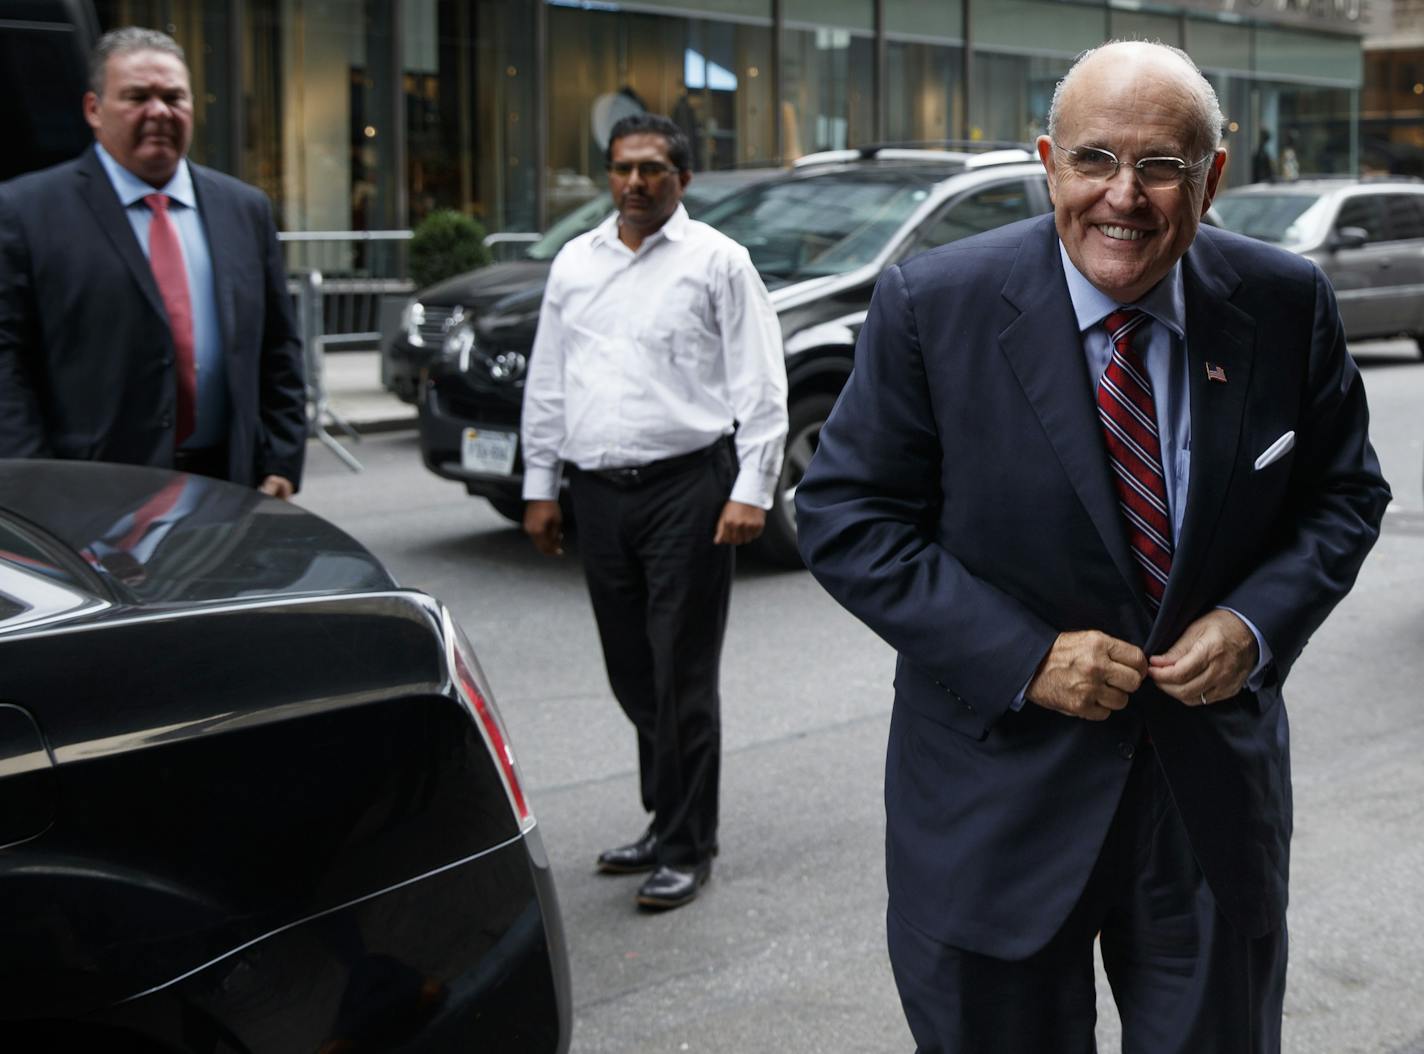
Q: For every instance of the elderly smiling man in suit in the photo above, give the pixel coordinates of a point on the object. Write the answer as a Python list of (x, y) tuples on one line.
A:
[(144, 316), (1097, 477)]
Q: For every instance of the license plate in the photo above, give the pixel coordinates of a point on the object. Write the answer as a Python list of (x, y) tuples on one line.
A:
[(490, 453)]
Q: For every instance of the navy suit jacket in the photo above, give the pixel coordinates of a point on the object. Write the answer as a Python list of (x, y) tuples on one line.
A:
[(86, 355), (960, 504)]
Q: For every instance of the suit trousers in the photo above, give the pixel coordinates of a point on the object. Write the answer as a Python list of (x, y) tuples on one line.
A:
[(660, 590), (1183, 980)]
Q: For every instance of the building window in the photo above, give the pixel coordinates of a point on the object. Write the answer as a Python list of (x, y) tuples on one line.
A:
[(924, 71), (711, 76)]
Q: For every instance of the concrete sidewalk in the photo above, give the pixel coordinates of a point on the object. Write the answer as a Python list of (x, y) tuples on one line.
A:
[(354, 393)]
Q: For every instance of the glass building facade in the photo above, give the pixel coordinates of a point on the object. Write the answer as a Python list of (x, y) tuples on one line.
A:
[(368, 114), (1392, 102)]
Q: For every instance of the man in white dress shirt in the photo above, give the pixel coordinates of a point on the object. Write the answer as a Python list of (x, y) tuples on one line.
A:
[(657, 378)]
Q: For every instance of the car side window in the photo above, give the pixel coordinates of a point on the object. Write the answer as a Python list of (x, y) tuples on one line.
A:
[(1363, 211), (1404, 216), (976, 212)]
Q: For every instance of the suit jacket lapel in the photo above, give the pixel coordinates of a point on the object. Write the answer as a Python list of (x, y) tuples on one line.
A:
[(215, 213), (1043, 347), (1221, 335), (98, 194)]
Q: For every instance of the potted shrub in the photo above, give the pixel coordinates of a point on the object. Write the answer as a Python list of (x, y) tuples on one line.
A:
[(446, 243)]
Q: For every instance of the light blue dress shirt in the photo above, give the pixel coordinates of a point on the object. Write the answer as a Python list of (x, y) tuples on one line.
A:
[(1166, 361), (211, 426)]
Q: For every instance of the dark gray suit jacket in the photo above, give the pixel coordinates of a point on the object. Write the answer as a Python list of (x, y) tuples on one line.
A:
[(960, 504), (86, 355)]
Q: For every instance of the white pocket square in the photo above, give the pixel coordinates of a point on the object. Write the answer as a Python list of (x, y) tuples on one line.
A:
[(1277, 450)]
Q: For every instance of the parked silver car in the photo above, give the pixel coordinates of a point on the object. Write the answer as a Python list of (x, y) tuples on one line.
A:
[(1366, 235)]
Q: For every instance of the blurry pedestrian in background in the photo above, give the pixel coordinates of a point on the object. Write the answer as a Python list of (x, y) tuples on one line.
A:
[(657, 378), (144, 314), (1290, 162), (1263, 166)]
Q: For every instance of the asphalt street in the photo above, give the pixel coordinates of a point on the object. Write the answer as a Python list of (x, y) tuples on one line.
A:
[(784, 951)]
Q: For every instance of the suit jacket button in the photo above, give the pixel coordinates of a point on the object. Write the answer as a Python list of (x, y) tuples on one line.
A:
[(166, 421), (1126, 750)]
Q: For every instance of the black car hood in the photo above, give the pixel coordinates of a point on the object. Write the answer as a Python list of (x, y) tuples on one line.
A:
[(485, 289), (152, 537)]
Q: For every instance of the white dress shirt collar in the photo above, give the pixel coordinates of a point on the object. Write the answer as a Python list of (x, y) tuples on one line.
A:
[(675, 229)]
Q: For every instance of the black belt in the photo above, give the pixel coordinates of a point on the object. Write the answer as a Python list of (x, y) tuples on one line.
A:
[(641, 475)]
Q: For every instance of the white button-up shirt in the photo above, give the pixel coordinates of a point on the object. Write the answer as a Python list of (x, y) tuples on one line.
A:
[(651, 354)]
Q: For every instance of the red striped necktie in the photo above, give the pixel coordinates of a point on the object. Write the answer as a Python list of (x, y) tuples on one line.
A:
[(1129, 420), (165, 256)]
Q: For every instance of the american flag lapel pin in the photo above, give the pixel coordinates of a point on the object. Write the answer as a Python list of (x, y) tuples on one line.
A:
[(1215, 372)]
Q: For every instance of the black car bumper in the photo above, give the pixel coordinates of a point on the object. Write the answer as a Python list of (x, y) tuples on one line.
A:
[(472, 955), (448, 408), (401, 365)]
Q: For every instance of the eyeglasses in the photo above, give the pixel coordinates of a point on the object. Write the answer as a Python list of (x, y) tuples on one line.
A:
[(648, 171), (1095, 164)]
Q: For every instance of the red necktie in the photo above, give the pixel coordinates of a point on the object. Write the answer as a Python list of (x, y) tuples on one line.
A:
[(165, 256), (1129, 420)]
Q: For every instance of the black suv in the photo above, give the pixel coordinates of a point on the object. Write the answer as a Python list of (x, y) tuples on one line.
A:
[(44, 73), (819, 234)]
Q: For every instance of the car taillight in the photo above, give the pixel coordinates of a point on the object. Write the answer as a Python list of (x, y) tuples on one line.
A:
[(470, 683)]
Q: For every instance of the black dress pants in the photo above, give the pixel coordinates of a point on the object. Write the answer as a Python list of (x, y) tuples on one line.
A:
[(1185, 982), (660, 591)]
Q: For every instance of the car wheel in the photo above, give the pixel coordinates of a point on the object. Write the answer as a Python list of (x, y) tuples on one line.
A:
[(511, 509), (778, 543)]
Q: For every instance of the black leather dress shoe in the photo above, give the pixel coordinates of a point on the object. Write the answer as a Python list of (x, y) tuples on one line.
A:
[(672, 887), (641, 855)]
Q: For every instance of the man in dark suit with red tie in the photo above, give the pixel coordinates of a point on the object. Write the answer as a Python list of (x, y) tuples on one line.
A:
[(1097, 477), (144, 316)]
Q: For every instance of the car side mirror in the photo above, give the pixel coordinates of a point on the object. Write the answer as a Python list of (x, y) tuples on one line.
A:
[(1349, 238)]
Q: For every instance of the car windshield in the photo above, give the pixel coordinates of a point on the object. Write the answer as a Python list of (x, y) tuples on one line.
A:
[(1286, 218), (705, 190), (569, 226), (821, 225)]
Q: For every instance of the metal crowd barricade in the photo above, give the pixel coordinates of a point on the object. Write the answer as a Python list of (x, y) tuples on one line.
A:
[(497, 242), (319, 411), (341, 310)]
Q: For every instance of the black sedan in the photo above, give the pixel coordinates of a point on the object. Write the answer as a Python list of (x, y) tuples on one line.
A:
[(820, 235), (254, 796)]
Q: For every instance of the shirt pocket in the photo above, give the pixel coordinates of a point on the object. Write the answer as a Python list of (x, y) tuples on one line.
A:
[(682, 323)]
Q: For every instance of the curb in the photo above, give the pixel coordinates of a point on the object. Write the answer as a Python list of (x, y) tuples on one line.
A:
[(385, 424), (375, 426)]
